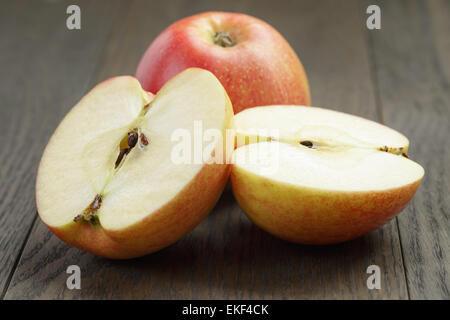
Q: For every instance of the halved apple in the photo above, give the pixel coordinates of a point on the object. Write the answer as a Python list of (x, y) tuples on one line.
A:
[(107, 182), (317, 176)]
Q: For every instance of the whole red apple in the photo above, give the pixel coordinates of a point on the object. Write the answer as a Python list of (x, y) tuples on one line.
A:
[(251, 59)]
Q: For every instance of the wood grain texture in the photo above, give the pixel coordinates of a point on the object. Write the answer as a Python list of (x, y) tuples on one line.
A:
[(45, 70), (413, 73), (227, 256)]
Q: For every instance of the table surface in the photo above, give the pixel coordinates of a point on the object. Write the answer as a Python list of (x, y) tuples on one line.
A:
[(398, 75)]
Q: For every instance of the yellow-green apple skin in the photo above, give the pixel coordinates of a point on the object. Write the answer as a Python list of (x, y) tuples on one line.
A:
[(317, 217), (344, 185), (260, 68), (155, 229)]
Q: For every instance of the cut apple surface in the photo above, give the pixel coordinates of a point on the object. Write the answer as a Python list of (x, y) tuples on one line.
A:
[(317, 176), (107, 182)]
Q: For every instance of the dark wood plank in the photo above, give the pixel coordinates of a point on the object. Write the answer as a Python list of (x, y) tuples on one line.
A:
[(413, 73), (45, 69), (227, 256)]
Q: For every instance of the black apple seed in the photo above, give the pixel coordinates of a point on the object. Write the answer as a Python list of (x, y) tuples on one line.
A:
[(308, 144), (132, 139)]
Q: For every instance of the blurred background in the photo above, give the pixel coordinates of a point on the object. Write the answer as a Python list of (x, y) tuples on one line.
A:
[(398, 75)]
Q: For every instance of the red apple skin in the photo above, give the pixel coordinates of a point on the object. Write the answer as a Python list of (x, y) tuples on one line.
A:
[(260, 69), (315, 217)]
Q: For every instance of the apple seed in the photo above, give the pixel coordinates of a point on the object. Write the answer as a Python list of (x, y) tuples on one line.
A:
[(126, 144), (143, 141), (132, 139), (122, 153), (307, 143)]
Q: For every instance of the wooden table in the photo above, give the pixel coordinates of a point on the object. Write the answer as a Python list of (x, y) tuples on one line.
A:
[(398, 75)]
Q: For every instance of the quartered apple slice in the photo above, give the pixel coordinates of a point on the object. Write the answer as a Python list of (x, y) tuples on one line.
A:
[(316, 176), (107, 182)]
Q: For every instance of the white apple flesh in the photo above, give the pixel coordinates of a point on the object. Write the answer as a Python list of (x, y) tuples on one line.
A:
[(317, 176), (128, 206)]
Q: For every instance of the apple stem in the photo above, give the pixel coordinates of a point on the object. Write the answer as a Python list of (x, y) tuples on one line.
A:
[(223, 39)]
